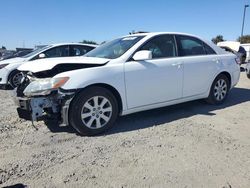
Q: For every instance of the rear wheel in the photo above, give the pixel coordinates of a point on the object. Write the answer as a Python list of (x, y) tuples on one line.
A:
[(93, 111), (219, 90), (15, 78)]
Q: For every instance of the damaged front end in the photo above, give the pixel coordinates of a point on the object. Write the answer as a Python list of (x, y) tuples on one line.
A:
[(41, 99)]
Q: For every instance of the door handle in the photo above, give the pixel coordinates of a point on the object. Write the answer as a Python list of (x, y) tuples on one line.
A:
[(178, 65), (216, 60)]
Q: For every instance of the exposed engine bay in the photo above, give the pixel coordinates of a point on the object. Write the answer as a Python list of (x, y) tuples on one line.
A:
[(62, 68)]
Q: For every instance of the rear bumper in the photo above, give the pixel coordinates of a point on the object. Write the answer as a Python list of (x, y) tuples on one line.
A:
[(236, 78)]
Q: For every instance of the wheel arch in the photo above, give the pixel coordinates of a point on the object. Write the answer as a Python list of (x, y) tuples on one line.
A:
[(11, 73), (14, 71), (112, 89), (228, 75)]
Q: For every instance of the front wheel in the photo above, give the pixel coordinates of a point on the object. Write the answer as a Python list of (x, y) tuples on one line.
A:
[(219, 90), (93, 111), (15, 78)]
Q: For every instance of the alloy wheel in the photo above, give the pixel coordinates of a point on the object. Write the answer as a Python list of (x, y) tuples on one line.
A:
[(96, 112), (220, 89), (16, 80)]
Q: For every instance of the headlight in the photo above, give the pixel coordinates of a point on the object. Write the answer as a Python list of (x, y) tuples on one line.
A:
[(3, 65), (44, 86)]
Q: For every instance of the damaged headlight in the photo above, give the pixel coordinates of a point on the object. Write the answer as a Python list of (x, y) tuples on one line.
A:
[(44, 86)]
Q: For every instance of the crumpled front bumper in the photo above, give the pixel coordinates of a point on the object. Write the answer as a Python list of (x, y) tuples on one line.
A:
[(41, 108), (35, 108)]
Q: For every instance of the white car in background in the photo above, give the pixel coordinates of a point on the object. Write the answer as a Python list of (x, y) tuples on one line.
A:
[(10, 76), (236, 48), (247, 48), (130, 74)]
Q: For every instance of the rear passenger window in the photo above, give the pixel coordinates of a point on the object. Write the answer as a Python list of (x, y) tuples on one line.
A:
[(209, 50), (190, 46), (161, 46), (60, 51), (79, 50)]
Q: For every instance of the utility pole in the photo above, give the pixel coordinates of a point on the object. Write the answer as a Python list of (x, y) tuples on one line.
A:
[(244, 14)]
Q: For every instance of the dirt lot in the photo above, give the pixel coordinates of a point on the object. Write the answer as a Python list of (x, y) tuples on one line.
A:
[(188, 145)]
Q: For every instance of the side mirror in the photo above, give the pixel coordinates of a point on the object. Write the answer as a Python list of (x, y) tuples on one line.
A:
[(142, 55), (42, 55)]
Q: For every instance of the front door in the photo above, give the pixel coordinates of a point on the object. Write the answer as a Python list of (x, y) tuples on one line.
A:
[(157, 80)]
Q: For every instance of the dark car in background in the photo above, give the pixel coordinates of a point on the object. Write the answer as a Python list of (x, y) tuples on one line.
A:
[(17, 54)]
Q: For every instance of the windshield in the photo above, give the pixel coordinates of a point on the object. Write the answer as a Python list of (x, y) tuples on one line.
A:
[(36, 51), (114, 48)]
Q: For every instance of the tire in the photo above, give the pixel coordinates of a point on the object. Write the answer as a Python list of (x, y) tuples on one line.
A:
[(93, 111), (219, 90), (15, 78), (248, 74)]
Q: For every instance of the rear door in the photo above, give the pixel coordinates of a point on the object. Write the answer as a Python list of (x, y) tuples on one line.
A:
[(199, 64)]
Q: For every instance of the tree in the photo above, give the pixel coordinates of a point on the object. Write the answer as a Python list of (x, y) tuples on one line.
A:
[(218, 38), (3, 47), (244, 39), (89, 42)]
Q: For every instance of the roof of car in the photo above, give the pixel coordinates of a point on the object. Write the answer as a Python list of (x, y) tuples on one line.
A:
[(72, 43), (160, 33), (151, 34)]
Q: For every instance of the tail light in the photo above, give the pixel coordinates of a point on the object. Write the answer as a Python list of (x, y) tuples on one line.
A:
[(237, 61)]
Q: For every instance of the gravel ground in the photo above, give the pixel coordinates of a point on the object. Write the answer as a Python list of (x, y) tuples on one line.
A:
[(187, 145)]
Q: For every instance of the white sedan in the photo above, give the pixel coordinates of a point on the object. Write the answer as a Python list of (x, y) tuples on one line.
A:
[(130, 74), (9, 75)]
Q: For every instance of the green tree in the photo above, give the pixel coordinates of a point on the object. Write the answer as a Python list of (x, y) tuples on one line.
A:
[(3, 47), (244, 39), (89, 42), (218, 38)]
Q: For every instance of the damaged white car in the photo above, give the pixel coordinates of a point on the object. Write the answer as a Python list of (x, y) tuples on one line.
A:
[(127, 75)]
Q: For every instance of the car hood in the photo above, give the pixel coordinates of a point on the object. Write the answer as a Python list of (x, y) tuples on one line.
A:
[(12, 60), (49, 63)]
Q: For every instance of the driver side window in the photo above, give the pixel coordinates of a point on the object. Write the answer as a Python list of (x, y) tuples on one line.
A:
[(60, 51), (161, 46)]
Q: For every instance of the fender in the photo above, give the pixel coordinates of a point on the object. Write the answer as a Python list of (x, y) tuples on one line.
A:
[(110, 74)]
